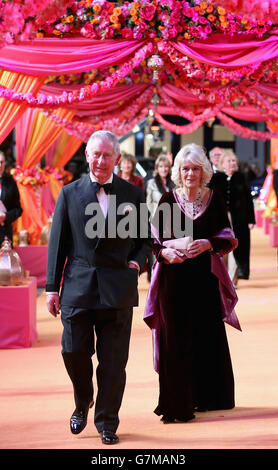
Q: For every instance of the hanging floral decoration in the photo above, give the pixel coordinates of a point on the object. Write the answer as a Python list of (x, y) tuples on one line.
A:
[(85, 93), (158, 19), (39, 176)]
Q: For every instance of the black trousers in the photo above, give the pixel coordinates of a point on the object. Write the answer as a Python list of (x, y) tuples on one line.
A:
[(106, 332)]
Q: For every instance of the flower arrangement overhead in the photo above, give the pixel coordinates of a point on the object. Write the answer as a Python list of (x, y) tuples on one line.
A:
[(114, 62)]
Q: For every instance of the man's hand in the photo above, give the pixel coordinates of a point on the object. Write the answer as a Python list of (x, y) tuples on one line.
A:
[(53, 303), (133, 265)]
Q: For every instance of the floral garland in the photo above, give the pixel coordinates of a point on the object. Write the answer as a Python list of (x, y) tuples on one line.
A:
[(85, 93), (242, 131), (119, 124), (157, 19), (39, 176)]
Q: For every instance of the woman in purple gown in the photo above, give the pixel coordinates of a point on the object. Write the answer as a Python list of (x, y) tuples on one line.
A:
[(191, 294)]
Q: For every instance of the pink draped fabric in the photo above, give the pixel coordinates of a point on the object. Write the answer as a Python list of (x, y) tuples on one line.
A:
[(23, 129), (55, 56), (230, 51)]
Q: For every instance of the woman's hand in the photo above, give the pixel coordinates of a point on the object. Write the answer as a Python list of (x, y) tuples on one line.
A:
[(172, 256), (197, 247)]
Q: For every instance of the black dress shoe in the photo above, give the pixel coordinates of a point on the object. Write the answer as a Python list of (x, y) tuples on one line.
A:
[(167, 419), (78, 420), (109, 437)]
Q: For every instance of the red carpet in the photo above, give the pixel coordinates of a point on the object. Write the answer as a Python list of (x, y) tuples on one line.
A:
[(37, 401)]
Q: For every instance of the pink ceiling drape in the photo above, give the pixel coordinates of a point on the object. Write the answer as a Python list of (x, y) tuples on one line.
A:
[(55, 56)]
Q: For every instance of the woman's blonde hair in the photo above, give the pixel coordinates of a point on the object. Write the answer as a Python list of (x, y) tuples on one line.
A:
[(226, 153), (196, 155)]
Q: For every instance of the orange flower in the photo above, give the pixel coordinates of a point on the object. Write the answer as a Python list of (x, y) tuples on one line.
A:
[(134, 18), (210, 9), (221, 11), (117, 11), (57, 32), (222, 19), (116, 26), (133, 11), (186, 36), (97, 8), (94, 21), (39, 35), (225, 24), (203, 5), (113, 19), (69, 19), (211, 18), (244, 20)]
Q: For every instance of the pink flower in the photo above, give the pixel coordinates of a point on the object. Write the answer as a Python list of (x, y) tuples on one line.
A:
[(88, 31), (147, 12), (12, 19)]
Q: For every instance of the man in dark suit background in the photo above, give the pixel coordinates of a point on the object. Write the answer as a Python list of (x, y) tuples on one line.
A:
[(99, 287), (10, 208)]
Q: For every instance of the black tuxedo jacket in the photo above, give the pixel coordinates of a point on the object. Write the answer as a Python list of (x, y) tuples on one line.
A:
[(89, 266), (11, 200)]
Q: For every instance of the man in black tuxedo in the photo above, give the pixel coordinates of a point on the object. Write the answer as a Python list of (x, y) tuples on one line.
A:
[(10, 208), (99, 268)]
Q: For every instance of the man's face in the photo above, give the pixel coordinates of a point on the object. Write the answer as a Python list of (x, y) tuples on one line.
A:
[(102, 159), (2, 164), (215, 157)]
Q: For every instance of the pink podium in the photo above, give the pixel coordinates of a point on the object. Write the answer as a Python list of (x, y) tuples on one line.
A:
[(18, 308), (266, 224), (258, 217), (273, 235), (34, 260)]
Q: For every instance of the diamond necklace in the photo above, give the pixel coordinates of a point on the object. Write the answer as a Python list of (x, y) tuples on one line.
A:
[(192, 207)]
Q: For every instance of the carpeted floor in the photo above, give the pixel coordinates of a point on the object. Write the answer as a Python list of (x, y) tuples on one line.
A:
[(36, 398)]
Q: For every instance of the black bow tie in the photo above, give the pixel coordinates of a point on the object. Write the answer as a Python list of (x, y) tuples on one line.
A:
[(107, 187)]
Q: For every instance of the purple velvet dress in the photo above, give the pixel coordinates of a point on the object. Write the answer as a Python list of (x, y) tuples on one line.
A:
[(194, 365)]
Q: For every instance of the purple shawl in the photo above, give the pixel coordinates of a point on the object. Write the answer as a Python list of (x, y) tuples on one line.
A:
[(227, 292)]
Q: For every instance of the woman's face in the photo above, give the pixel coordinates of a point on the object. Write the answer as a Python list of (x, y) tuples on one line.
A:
[(163, 169), (230, 164), (191, 174), (126, 166)]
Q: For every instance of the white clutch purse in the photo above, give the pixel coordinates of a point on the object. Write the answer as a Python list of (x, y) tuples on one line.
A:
[(179, 244)]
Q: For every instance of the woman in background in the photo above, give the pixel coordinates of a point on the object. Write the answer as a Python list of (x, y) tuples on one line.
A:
[(237, 194), (126, 167), (160, 183)]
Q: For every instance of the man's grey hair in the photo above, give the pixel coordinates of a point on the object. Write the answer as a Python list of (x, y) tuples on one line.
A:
[(104, 135)]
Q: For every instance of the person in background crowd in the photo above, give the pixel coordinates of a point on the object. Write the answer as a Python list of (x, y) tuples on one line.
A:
[(185, 307), (10, 208), (236, 192), (214, 155), (127, 167), (156, 186), (160, 183)]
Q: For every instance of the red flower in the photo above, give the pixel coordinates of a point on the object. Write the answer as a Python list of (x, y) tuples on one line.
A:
[(126, 33), (147, 12)]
